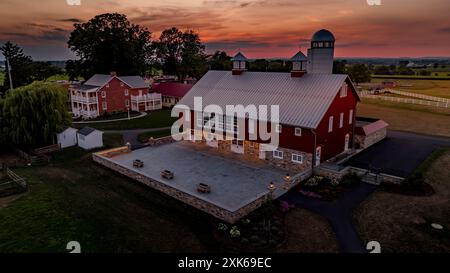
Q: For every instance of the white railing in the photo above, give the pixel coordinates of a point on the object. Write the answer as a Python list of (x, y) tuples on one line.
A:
[(82, 99), (417, 95), (407, 100), (146, 98), (85, 113)]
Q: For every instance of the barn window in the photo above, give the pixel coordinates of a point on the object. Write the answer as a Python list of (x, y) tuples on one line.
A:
[(121, 84), (341, 120), (104, 105), (330, 124), (278, 154), (296, 158), (350, 117), (298, 131), (127, 103), (126, 92), (344, 89), (107, 86), (103, 94)]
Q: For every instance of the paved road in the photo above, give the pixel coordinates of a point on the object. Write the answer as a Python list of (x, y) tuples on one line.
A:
[(338, 213), (400, 154)]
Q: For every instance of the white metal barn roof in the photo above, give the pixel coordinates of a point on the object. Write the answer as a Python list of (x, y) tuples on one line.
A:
[(303, 101)]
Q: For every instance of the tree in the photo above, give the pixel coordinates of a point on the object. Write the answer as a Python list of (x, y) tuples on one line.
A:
[(33, 114), (260, 65), (220, 61), (359, 73), (340, 67), (109, 42), (19, 63), (181, 53), (44, 70)]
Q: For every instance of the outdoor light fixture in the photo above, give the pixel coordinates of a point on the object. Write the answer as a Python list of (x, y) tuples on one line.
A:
[(272, 187), (287, 178)]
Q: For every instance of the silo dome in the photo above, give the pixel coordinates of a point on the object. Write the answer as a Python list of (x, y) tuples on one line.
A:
[(323, 35)]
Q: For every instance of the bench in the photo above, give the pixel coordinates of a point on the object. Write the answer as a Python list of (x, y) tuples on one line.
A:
[(167, 174), (138, 163), (203, 188)]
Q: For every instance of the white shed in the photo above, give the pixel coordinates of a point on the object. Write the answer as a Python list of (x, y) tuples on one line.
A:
[(90, 138), (67, 138)]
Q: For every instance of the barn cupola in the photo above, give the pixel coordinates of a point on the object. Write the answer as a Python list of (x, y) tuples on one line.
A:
[(239, 63), (298, 65)]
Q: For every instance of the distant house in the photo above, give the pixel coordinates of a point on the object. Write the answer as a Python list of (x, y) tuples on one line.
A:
[(110, 93), (171, 92), (89, 138), (67, 138)]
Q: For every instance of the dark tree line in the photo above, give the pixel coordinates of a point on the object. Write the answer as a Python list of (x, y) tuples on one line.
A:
[(23, 69)]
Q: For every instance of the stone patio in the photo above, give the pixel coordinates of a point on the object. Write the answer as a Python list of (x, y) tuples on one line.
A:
[(237, 186)]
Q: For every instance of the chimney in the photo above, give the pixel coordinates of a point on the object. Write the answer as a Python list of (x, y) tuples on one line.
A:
[(298, 65), (113, 73), (239, 63)]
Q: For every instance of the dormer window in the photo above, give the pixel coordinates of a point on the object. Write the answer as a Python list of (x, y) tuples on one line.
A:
[(239, 63)]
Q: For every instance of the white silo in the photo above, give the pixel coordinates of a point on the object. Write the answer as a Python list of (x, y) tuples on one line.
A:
[(321, 53)]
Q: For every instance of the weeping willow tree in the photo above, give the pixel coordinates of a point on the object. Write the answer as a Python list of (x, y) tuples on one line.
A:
[(33, 114)]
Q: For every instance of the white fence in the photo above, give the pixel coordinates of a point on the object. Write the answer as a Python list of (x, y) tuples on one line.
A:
[(417, 98)]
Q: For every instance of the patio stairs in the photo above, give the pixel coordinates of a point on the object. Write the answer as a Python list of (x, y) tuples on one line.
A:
[(373, 179)]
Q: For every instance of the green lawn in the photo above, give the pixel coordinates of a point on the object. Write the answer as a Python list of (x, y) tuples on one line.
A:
[(111, 140), (158, 134), (158, 119), (73, 199), (440, 76)]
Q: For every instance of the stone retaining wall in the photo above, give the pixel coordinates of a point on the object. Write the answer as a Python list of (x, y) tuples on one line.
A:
[(221, 213), (287, 164), (334, 174)]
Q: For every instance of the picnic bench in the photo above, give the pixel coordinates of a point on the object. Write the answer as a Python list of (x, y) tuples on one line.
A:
[(138, 163), (203, 188), (167, 174)]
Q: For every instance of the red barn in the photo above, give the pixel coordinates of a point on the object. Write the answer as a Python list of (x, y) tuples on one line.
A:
[(316, 110), (110, 94)]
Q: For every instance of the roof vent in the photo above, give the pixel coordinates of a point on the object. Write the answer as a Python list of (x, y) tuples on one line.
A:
[(239, 63)]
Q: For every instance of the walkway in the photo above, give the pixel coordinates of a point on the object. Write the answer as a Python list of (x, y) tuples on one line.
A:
[(131, 136), (143, 114), (338, 213)]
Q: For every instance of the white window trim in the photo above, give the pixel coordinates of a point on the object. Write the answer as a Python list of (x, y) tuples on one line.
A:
[(278, 154), (341, 120), (330, 124), (350, 117), (344, 90), (126, 92), (298, 131), (107, 86), (296, 160), (127, 103), (104, 105), (103, 94)]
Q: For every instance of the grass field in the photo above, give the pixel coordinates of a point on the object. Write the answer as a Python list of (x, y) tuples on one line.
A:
[(407, 117), (403, 223), (437, 88), (158, 119), (111, 140), (75, 199), (433, 76)]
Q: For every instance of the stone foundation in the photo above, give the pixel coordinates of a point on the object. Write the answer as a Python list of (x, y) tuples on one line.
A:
[(339, 174), (287, 164)]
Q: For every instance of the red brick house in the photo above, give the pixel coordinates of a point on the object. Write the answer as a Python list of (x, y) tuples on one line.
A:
[(317, 109), (110, 94)]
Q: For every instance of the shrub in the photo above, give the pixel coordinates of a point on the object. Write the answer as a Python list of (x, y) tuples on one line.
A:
[(254, 238), (244, 241), (245, 221), (234, 232), (222, 227)]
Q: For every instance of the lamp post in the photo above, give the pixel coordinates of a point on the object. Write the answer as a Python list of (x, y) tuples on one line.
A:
[(271, 189)]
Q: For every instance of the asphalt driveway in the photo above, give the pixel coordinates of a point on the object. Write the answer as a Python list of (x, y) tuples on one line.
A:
[(400, 154)]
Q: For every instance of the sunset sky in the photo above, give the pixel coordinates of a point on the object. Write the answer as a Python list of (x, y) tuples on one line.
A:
[(260, 28)]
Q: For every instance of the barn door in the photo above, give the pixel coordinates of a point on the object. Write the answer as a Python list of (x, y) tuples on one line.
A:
[(347, 142), (318, 154)]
